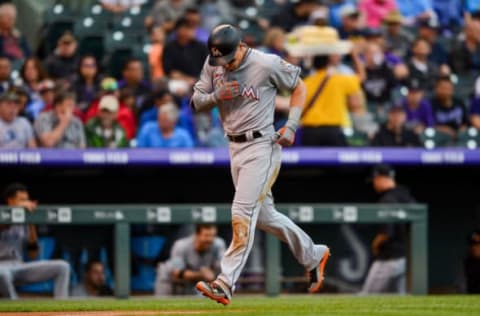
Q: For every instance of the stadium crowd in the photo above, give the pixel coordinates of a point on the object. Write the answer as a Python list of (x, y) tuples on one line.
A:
[(412, 73)]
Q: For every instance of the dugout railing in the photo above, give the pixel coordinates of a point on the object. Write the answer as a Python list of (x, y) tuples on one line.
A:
[(121, 216)]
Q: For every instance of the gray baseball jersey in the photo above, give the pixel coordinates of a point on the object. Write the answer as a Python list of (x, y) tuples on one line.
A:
[(14, 271), (184, 256), (260, 76), (255, 164)]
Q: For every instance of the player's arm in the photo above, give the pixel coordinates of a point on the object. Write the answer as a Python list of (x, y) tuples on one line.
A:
[(286, 135)]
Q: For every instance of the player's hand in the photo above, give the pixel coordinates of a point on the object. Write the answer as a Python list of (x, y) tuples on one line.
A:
[(285, 136), (378, 242), (227, 91), (29, 205)]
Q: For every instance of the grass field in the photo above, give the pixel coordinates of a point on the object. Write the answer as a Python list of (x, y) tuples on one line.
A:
[(260, 305)]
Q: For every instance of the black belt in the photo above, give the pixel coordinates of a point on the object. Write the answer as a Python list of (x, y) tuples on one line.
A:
[(241, 138)]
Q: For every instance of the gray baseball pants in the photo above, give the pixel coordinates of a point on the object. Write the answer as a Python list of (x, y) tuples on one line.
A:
[(386, 276), (14, 273), (255, 166)]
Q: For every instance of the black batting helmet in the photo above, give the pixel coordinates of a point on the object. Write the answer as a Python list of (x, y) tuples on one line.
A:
[(222, 44)]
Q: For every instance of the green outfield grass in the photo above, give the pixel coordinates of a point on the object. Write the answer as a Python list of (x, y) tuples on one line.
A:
[(260, 305)]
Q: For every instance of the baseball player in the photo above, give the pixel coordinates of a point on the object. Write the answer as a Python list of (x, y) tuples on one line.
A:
[(243, 83)]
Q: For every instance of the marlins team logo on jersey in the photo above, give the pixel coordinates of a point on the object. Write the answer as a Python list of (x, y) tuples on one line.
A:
[(215, 52), (250, 93)]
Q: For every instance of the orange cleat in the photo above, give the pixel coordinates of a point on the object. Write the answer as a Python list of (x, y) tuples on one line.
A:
[(317, 274)]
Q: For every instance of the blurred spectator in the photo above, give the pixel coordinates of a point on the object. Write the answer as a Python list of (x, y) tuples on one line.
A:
[(335, 8), (14, 239), (119, 6), (193, 16), (413, 10), (209, 134), (59, 128), (157, 37), (86, 84), (397, 39), (418, 108), (387, 273), (160, 98), (449, 12), (428, 29), (15, 132), (133, 79), (165, 13), (450, 112), (193, 258), (475, 113), (394, 132), (380, 79), (5, 73), (329, 95), (350, 27), (375, 11), (273, 42), (104, 131), (32, 73), (93, 283), (466, 52), (126, 117), (62, 61), (419, 65), (12, 43), (23, 99), (294, 14), (46, 90), (164, 133), (183, 57), (472, 264), (376, 36), (127, 98)]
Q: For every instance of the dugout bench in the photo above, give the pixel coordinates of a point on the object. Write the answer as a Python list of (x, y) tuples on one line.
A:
[(121, 216)]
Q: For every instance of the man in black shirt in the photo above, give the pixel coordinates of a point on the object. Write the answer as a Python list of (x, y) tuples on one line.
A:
[(388, 271), (394, 132), (295, 14), (472, 264), (183, 56), (380, 79), (450, 113)]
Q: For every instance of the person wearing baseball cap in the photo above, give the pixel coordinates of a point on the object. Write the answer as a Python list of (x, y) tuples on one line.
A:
[(428, 29), (394, 132), (387, 273), (397, 39), (417, 107), (104, 130), (472, 263), (62, 61), (15, 132), (350, 23)]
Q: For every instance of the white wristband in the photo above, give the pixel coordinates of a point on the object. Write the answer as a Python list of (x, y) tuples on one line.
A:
[(294, 117)]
